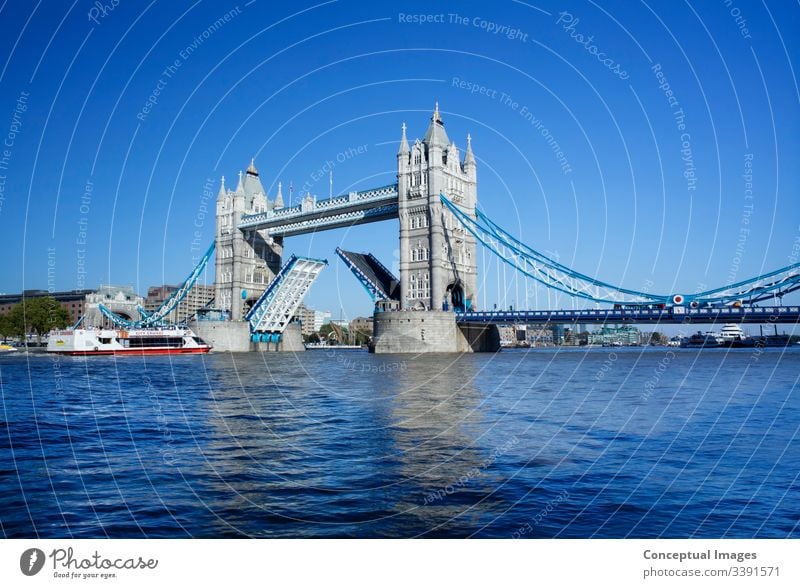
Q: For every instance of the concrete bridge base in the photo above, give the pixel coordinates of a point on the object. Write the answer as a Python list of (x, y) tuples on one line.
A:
[(223, 335), (481, 337), (234, 336), (291, 341), (429, 332)]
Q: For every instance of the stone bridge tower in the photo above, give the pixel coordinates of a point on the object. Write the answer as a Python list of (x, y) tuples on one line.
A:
[(438, 261), (246, 261)]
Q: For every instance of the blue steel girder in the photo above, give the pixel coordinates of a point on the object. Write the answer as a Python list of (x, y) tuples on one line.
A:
[(557, 276), (158, 315), (673, 315), (311, 215), (276, 306), (372, 285), (115, 318)]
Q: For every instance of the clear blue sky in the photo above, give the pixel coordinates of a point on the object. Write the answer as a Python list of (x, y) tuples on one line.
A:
[(633, 199)]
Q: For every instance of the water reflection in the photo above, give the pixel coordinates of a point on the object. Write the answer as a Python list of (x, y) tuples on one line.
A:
[(440, 435)]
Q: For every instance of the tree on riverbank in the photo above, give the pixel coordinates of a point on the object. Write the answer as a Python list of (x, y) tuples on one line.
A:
[(33, 315)]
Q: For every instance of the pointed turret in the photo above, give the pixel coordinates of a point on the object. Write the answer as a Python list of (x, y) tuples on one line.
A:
[(279, 197), (240, 185), (255, 194), (469, 158), (251, 169), (221, 194), (403, 142), (436, 135)]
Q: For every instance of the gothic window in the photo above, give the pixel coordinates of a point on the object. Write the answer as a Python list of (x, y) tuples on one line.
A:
[(413, 255)]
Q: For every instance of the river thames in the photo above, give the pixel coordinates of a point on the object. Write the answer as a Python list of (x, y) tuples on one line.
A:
[(548, 443)]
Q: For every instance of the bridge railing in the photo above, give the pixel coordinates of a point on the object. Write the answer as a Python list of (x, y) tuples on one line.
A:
[(766, 314), (377, 195)]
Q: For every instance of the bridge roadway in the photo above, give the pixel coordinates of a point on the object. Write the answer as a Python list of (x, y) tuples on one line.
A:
[(312, 215), (674, 315)]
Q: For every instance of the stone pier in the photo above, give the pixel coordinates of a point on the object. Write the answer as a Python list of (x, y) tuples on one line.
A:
[(431, 331), (234, 336)]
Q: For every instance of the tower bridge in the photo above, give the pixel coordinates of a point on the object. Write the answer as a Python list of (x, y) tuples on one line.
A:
[(435, 201), (438, 261)]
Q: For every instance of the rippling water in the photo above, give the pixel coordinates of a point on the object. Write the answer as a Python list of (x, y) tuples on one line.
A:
[(629, 443)]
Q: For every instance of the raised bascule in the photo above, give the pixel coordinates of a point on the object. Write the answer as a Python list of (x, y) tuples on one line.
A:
[(432, 306)]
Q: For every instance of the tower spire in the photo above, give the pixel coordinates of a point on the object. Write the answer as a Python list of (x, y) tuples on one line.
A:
[(436, 135), (279, 197), (251, 169), (469, 158), (403, 142), (221, 193), (240, 185)]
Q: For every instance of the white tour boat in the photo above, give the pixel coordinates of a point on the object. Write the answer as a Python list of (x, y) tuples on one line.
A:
[(143, 341)]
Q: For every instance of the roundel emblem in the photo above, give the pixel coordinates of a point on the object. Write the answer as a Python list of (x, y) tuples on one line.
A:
[(677, 299), (31, 561)]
